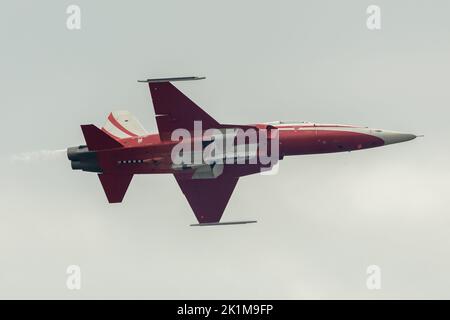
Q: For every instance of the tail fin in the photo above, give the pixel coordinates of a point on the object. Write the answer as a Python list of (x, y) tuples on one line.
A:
[(122, 125), (115, 185), (96, 139)]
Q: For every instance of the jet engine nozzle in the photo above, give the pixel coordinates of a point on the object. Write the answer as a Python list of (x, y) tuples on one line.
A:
[(83, 159), (80, 153)]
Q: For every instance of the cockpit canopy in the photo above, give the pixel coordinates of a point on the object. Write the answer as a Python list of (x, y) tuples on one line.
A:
[(279, 122)]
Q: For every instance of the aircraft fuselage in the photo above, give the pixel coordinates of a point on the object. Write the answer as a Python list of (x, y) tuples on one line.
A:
[(149, 155)]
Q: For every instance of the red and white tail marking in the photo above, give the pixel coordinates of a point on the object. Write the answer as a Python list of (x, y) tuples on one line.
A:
[(122, 125)]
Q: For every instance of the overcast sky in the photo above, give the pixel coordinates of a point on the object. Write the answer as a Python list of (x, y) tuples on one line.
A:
[(321, 221)]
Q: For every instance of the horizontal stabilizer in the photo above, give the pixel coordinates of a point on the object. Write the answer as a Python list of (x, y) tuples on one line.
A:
[(97, 139), (115, 185), (222, 223)]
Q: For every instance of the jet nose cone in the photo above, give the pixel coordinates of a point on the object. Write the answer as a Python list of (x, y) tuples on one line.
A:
[(390, 137), (402, 137)]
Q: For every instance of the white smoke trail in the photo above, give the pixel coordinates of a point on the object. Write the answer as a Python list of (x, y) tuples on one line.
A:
[(38, 155)]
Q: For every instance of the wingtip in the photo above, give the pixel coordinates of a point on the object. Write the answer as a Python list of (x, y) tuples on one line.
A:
[(171, 79), (222, 223)]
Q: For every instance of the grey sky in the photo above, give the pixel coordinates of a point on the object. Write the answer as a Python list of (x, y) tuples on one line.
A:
[(322, 220)]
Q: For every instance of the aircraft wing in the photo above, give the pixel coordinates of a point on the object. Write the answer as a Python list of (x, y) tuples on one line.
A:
[(208, 197), (173, 110)]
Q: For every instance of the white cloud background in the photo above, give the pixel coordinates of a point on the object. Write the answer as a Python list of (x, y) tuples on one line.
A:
[(322, 220)]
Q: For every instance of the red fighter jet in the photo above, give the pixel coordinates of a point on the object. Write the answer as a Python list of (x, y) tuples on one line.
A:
[(123, 148)]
